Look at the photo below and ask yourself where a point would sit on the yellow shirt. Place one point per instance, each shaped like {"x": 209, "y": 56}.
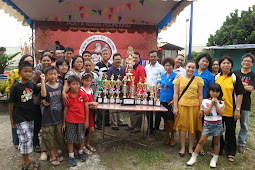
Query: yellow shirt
{"x": 12, "y": 78}
{"x": 190, "y": 97}
{"x": 227, "y": 86}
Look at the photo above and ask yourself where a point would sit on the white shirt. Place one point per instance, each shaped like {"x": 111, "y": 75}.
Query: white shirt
{"x": 152, "y": 72}
{"x": 180, "y": 71}
{"x": 213, "y": 115}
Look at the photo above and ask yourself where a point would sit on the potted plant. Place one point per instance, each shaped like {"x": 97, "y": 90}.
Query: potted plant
{"x": 5, "y": 60}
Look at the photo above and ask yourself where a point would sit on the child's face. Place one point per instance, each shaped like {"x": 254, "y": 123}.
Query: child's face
{"x": 87, "y": 66}
{"x": 52, "y": 75}
{"x": 63, "y": 68}
{"x": 26, "y": 73}
{"x": 214, "y": 94}
{"x": 74, "y": 86}
{"x": 86, "y": 82}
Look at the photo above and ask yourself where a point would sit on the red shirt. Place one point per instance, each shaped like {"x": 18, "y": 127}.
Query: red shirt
{"x": 76, "y": 107}
{"x": 138, "y": 72}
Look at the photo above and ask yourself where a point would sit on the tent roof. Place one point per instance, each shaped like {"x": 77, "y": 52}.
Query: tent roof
{"x": 237, "y": 46}
{"x": 145, "y": 12}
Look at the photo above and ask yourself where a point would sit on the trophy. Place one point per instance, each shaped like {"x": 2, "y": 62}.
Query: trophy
{"x": 151, "y": 101}
{"x": 112, "y": 92}
{"x": 125, "y": 88}
{"x": 105, "y": 86}
{"x": 118, "y": 84}
{"x": 132, "y": 87}
{"x": 145, "y": 95}
{"x": 139, "y": 89}
{"x": 99, "y": 88}
{"x": 158, "y": 90}
{"x": 128, "y": 98}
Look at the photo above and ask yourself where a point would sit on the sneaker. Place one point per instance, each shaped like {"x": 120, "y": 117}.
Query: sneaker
{"x": 81, "y": 157}
{"x": 43, "y": 156}
{"x": 214, "y": 161}
{"x": 241, "y": 149}
{"x": 192, "y": 160}
{"x": 71, "y": 161}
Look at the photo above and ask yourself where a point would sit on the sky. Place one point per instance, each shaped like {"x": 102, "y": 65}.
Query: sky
{"x": 208, "y": 17}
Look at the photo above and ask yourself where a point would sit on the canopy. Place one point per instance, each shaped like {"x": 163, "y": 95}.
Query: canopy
{"x": 142, "y": 12}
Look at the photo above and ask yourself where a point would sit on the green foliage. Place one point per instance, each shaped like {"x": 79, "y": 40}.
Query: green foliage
{"x": 236, "y": 29}
{"x": 194, "y": 55}
{"x": 3, "y": 85}
{"x": 5, "y": 59}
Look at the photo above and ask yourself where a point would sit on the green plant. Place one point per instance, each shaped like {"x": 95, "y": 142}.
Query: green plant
{"x": 5, "y": 60}
{"x": 194, "y": 55}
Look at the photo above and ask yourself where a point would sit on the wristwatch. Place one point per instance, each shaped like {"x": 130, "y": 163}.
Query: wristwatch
{"x": 238, "y": 109}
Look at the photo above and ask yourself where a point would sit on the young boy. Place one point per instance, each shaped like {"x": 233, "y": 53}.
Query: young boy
{"x": 21, "y": 109}
{"x": 52, "y": 115}
{"x": 76, "y": 118}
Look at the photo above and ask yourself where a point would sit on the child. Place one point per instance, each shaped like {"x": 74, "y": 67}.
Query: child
{"x": 52, "y": 115}
{"x": 213, "y": 108}
{"x": 76, "y": 118}
{"x": 22, "y": 109}
{"x": 86, "y": 80}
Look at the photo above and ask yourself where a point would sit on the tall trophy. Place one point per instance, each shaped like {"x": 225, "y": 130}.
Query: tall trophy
{"x": 158, "y": 90}
{"x": 139, "y": 90}
{"x": 111, "y": 90}
{"x": 118, "y": 84}
{"x": 105, "y": 87}
{"x": 100, "y": 88}
{"x": 145, "y": 94}
{"x": 151, "y": 101}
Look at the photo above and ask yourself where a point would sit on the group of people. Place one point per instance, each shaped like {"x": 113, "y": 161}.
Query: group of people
{"x": 58, "y": 99}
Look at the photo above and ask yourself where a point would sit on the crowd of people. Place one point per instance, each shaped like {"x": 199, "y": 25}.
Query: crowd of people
{"x": 57, "y": 98}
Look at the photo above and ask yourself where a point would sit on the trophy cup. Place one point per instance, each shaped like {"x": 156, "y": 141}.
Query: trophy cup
{"x": 139, "y": 89}
{"x": 158, "y": 90}
{"x": 112, "y": 92}
{"x": 151, "y": 101}
{"x": 132, "y": 88}
{"x": 99, "y": 88}
{"x": 145, "y": 95}
{"x": 118, "y": 84}
{"x": 105, "y": 86}
{"x": 127, "y": 100}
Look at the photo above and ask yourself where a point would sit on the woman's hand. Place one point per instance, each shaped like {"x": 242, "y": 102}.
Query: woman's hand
{"x": 201, "y": 114}
{"x": 171, "y": 103}
{"x": 176, "y": 111}
{"x": 65, "y": 98}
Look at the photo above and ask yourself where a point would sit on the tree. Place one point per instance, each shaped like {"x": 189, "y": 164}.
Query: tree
{"x": 5, "y": 60}
{"x": 194, "y": 55}
{"x": 236, "y": 29}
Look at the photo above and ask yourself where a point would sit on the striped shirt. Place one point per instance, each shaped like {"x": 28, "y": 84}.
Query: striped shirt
{"x": 101, "y": 67}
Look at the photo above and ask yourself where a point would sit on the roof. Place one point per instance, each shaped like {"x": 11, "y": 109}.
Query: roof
{"x": 168, "y": 46}
{"x": 230, "y": 47}
{"x": 145, "y": 12}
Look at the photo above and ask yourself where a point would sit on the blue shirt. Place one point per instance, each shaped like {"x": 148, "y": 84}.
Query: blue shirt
{"x": 208, "y": 78}
{"x": 169, "y": 92}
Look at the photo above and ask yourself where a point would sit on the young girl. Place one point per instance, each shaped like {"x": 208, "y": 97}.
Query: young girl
{"x": 62, "y": 65}
{"x": 213, "y": 108}
{"x": 86, "y": 80}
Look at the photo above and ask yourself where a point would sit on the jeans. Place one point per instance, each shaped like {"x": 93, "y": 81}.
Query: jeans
{"x": 99, "y": 118}
{"x": 244, "y": 120}
{"x": 37, "y": 125}
{"x": 15, "y": 138}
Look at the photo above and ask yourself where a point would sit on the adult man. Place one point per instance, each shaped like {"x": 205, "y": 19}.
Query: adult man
{"x": 57, "y": 55}
{"x": 153, "y": 70}
{"x": 2, "y": 50}
{"x": 248, "y": 79}
{"x": 68, "y": 54}
{"x": 102, "y": 67}
{"x": 59, "y": 46}
{"x": 116, "y": 118}
{"x": 139, "y": 74}
{"x": 86, "y": 55}
{"x": 178, "y": 65}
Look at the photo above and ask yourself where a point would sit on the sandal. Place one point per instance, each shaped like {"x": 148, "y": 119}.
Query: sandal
{"x": 87, "y": 151}
{"x": 172, "y": 142}
{"x": 31, "y": 166}
{"x": 55, "y": 162}
{"x": 16, "y": 146}
{"x": 167, "y": 140}
{"x": 60, "y": 158}
{"x": 37, "y": 149}
{"x": 91, "y": 148}
{"x": 231, "y": 158}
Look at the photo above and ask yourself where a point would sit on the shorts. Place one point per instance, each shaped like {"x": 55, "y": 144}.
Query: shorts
{"x": 25, "y": 131}
{"x": 75, "y": 132}
{"x": 169, "y": 114}
{"x": 212, "y": 129}
{"x": 52, "y": 137}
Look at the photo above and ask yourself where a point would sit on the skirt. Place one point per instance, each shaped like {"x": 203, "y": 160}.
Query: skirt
{"x": 188, "y": 119}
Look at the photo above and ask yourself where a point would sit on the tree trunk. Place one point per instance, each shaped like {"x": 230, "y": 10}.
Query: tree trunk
{"x": 2, "y": 69}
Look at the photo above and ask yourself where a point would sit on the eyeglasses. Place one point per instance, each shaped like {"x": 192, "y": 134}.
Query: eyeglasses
{"x": 247, "y": 61}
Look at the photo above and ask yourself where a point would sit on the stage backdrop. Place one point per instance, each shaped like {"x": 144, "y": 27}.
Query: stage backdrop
{"x": 95, "y": 36}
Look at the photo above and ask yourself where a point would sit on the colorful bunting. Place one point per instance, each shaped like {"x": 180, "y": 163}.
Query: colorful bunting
{"x": 75, "y": 16}
{"x": 136, "y": 3}
{"x": 73, "y": 6}
{"x": 65, "y": 18}
{"x": 120, "y": 18}
{"x": 82, "y": 15}
{"x": 59, "y": 1}
{"x": 109, "y": 16}
{"x": 117, "y": 9}
{"x": 111, "y": 9}
{"x": 67, "y": 3}
{"x": 87, "y": 14}
{"x": 105, "y": 10}
{"x": 56, "y": 19}
{"x": 123, "y": 7}
{"x": 149, "y": 1}
{"x": 141, "y": 2}
{"x": 59, "y": 19}
{"x": 81, "y": 7}
{"x": 129, "y": 6}
{"x": 115, "y": 17}
{"x": 87, "y": 9}
{"x": 99, "y": 12}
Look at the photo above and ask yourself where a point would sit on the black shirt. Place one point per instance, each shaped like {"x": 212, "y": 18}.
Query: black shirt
{"x": 248, "y": 78}
{"x": 22, "y": 97}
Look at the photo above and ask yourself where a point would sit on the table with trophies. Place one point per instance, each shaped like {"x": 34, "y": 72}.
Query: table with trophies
{"x": 141, "y": 99}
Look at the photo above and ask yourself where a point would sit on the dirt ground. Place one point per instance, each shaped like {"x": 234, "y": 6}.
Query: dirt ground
{"x": 124, "y": 155}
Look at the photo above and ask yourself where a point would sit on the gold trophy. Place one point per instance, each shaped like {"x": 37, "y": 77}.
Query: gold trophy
{"x": 139, "y": 89}
{"x": 118, "y": 84}
{"x": 151, "y": 101}
{"x": 105, "y": 86}
{"x": 124, "y": 88}
{"x": 132, "y": 87}
{"x": 145, "y": 95}
{"x": 111, "y": 90}
{"x": 158, "y": 90}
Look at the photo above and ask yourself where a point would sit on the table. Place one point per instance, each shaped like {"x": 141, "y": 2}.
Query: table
{"x": 141, "y": 108}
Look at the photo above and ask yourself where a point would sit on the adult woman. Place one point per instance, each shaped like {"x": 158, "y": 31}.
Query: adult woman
{"x": 167, "y": 92}
{"x": 13, "y": 77}
{"x": 215, "y": 66}
{"x": 186, "y": 108}
{"x": 62, "y": 65}
{"x": 45, "y": 61}
{"x": 231, "y": 85}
